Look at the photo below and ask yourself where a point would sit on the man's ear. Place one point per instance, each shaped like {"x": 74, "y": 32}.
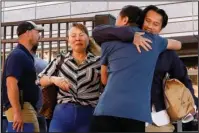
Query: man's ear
{"x": 126, "y": 19}
{"x": 27, "y": 33}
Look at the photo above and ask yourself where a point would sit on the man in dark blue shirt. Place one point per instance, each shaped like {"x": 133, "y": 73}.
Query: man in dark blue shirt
{"x": 154, "y": 20}
{"x": 20, "y": 93}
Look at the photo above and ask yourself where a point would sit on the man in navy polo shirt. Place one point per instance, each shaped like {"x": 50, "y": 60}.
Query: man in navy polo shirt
{"x": 20, "y": 93}
{"x": 125, "y": 104}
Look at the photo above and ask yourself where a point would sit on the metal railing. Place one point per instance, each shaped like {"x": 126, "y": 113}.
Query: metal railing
{"x": 54, "y": 36}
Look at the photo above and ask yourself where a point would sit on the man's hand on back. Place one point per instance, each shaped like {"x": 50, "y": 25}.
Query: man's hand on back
{"x": 141, "y": 41}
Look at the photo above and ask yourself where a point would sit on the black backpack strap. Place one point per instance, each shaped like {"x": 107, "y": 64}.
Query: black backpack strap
{"x": 59, "y": 64}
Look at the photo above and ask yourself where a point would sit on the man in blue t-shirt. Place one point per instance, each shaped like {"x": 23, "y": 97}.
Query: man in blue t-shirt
{"x": 125, "y": 103}
{"x": 40, "y": 64}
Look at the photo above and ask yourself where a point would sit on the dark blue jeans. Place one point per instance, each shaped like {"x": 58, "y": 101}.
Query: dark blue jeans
{"x": 69, "y": 117}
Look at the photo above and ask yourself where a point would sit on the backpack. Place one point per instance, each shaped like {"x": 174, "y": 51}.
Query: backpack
{"x": 178, "y": 99}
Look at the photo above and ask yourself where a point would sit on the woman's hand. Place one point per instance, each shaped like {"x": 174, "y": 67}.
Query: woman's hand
{"x": 61, "y": 82}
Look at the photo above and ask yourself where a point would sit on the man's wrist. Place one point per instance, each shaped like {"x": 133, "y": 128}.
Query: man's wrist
{"x": 17, "y": 110}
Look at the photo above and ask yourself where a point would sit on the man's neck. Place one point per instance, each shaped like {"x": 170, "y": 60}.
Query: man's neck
{"x": 26, "y": 44}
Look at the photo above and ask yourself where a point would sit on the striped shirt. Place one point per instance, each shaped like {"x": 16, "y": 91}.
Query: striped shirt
{"x": 84, "y": 79}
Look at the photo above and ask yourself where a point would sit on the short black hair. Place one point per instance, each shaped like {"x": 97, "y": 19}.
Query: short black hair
{"x": 140, "y": 22}
{"x": 132, "y": 12}
{"x": 23, "y": 27}
{"x": 27, "y": 25}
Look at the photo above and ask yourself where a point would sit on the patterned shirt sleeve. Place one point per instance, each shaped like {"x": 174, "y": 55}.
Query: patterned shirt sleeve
{"x": 51, "y": 68}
